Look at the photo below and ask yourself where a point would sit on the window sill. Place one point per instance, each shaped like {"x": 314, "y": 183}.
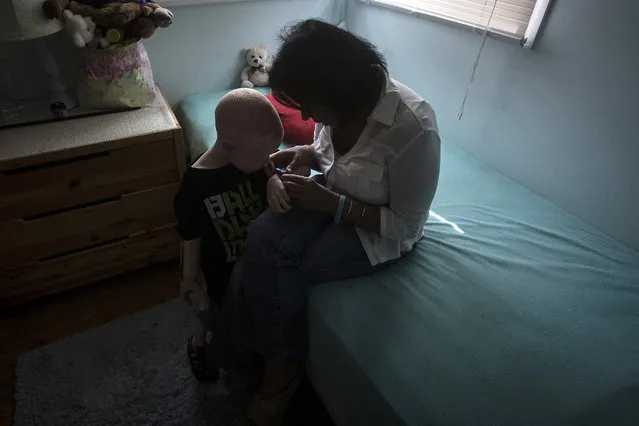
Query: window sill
{"x": 436, "y": 18}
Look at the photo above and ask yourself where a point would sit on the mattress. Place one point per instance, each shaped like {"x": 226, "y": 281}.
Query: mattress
{"x": 509, "y": 311}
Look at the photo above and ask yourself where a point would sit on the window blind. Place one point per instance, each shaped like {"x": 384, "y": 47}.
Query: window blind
{"x": 510, "y": 17}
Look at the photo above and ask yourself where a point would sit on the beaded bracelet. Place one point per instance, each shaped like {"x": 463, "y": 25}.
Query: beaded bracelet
{"x": 361, "y": 216}
{"x": 350, "y": 207}
{"x": 340, "y": 210}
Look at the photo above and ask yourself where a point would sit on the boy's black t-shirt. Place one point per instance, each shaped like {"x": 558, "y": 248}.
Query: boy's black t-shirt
{"x": 218, "y": 205}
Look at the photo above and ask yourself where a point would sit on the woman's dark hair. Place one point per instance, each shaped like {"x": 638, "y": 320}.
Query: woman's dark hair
{"x": 320, "y": 64}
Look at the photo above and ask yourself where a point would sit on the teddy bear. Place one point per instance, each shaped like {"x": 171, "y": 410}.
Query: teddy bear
{"x": 255, "y": 73}
{"x": 79, "y": 28}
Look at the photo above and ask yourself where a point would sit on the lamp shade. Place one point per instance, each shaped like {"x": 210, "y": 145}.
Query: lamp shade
{"x": 25, "y": 20}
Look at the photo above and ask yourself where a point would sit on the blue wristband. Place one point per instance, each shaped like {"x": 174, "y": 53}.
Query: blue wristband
{"x": 340, "y": 209}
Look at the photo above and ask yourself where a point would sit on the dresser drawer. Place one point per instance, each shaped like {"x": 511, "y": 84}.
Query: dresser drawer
{"x": 41, "y": 278}
{"x": 39, "y": 190}
{"x": 63, "y": 232}
{"x": 87, "y": 198}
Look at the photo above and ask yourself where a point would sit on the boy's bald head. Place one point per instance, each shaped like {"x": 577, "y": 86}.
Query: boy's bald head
{"x": 248, "y": 127}
{"x": 247, "y": 112}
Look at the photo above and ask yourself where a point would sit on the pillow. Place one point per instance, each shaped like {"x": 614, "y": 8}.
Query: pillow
{"x": 296, "y": 130}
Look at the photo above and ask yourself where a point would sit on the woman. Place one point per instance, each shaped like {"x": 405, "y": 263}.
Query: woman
{"x": 377, "y": 145}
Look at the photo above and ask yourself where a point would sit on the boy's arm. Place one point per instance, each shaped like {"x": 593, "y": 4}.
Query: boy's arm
{"x": 191, "y": 251}
{"x": 186, "y": 208}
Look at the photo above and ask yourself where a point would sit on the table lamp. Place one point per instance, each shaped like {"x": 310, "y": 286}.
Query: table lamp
{"x": 22, "y": 20}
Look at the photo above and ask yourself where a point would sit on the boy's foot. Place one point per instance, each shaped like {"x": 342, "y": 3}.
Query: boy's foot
{"x": 202, "y": 371}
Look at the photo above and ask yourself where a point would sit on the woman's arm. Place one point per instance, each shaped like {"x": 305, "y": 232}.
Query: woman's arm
{"x": 307, "y": 193}
{"x": 354, "y": 213}
{"x": 413, "y": 178}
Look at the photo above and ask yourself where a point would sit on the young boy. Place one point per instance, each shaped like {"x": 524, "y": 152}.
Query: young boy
{"x": 221, "y": 193}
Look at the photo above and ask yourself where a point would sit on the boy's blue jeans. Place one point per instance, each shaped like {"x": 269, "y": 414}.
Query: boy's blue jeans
{"x": 265, "y": 307}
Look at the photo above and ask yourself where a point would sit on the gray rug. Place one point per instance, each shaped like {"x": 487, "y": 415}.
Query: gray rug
{"x": 132, "y": 371}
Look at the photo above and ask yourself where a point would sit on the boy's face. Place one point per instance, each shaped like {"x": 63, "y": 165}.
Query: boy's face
{"x": 252, "y": 154}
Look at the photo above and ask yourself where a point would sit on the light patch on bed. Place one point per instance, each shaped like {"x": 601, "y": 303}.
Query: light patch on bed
{"x": 444, "y": 220}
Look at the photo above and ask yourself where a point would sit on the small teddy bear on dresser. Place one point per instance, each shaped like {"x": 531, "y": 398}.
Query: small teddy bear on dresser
{"x": 255, "y": 73}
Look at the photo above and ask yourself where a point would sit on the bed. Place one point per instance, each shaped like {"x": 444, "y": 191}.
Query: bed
{"x": 509, "y": 311}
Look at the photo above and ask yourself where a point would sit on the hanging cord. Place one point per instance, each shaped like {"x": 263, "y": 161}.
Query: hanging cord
{"x": 460, "y": 114}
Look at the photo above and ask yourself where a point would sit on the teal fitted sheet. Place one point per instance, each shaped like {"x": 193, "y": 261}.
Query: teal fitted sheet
{"x": 509, "y": 312}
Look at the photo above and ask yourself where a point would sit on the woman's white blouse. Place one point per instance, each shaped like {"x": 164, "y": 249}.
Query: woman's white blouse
{"x": 394, "y": 164}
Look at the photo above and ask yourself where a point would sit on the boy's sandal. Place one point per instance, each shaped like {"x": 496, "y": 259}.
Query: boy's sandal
{"x": 270, "y": 411}
{"x": 202, "y": 370}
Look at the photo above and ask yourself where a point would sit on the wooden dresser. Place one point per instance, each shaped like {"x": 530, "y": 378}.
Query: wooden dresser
{"x": 87, "y": 198}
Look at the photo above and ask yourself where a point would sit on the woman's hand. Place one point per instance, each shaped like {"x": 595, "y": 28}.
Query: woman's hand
{"x": 278, "y": 199}
{"x": 295, "y": 160}
{"x": 307, "y": 193}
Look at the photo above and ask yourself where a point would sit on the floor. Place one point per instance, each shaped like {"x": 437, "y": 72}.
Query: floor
{"x": 54, "y": 318}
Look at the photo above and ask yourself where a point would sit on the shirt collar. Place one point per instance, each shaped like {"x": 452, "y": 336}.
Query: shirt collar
{"x": 386, "y": 108}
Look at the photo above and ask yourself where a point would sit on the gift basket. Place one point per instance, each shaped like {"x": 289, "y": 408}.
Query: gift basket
{"x": 116, "y": 68}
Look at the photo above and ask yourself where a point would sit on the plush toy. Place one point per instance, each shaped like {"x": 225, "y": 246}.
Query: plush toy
{"x": 79, "y": 28}
{"x": 119, "y": 14}
{"x": 255, "y": 73}
{"x": 133, "y": 19}
{"x": 53, "y": 9}
{"x": 143, "y": 27}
